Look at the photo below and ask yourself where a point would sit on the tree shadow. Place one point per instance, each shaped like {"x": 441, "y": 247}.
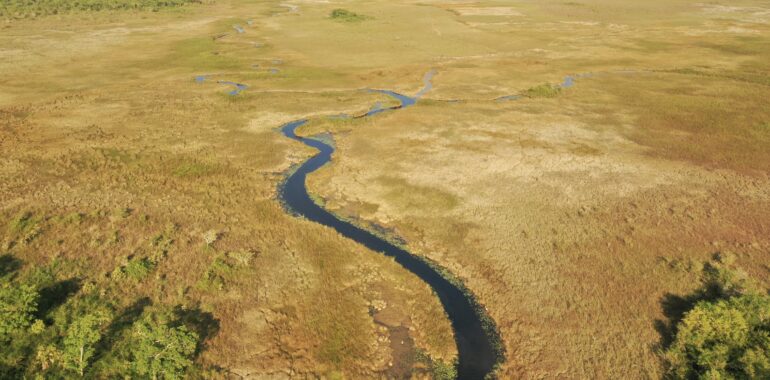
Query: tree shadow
{"x": 9, "y": 264}
{"x": 124, "y": 320}
{"x": 201, "y": 322}
{"x": 56, "y": 294}
{"x": 674, "y": 309}
{"x": 675, "y": 306}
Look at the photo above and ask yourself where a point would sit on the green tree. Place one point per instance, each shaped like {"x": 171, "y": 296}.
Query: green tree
{"x": 80, "y": 340}
{"x": 162, "y": 349}
{"x": 723, "y": 339}
{"x": 18, "y": 305}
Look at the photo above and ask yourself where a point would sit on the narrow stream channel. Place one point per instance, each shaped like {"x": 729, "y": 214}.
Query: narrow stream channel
{"x": 476, "y": 345}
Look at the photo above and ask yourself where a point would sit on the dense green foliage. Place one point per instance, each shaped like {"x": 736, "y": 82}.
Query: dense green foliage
{"x": 18, "y": 305}
{"x": 64, "y": 329}
{"x": 81, "y": 339}
{"x": 726, "y": 335}
{"x": 724, "y": 340}
{"x": 33, "y": 8}
{"x": 340, "y": 14}
{"x": 161, "y": 350}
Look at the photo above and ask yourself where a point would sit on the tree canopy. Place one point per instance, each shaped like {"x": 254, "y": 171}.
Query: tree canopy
{"x": 726, "y": 335}
{"x": 161, "y": 349}
{"x": 18, "y": 305}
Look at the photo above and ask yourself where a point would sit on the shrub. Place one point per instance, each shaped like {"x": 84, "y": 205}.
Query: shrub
{"x": 243, "y": 258}
{"x": 210, "y": 237}
{"x": 215, "y": 275}
{"x": 138, "y": 269}
{"x": 443, "y": 371}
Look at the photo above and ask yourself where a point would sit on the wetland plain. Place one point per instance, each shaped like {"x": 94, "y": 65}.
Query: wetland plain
{"x": 577, "y": 174}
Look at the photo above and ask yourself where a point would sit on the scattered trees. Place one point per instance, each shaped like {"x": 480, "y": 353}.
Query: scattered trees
{"x": 82, "y": 336}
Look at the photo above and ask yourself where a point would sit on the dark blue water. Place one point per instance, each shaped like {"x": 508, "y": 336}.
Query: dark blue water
{"x": 477, "y": 349}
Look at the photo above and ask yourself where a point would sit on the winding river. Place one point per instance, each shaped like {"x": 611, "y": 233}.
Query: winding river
{"x": 475, "y": 334}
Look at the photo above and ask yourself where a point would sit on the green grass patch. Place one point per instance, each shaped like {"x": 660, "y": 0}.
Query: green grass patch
{"x": 345, "y": 15}
{"x": 26, "y": 226}
{"x": 138, "y": 269}
{"x": 202, "y": 54}
{"x": 543, "y": 91}
{"x": 24, "y": 222}
{"x": 216, "y": 275}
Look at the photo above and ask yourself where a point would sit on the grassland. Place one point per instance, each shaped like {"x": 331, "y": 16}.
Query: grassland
{"x": 571, "y": 214}
{"x": 200, "y": 168}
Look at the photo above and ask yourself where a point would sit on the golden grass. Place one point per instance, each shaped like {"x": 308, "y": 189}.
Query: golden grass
{"x": 569, "y": 216}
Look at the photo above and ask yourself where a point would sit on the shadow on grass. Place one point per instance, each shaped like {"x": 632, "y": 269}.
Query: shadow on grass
{"x": 56, "y": 294}
{"x": 124, "y": 320}
{"x": 674, "y": 308}
{"x": 9, "y": 265}
{"x": 201, "y": 322}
